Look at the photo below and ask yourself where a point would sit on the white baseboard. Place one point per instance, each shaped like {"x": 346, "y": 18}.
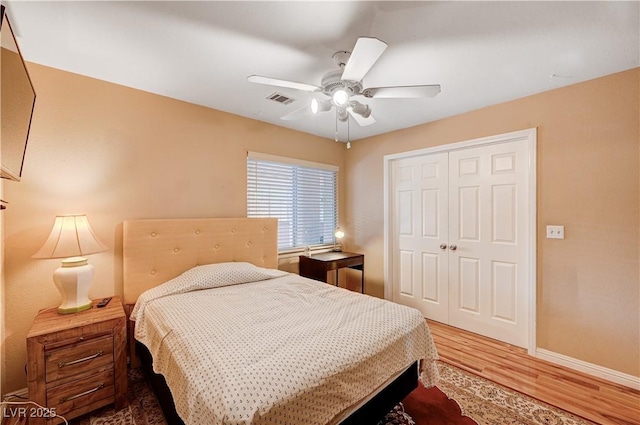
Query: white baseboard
{"x": 627, "y": 380}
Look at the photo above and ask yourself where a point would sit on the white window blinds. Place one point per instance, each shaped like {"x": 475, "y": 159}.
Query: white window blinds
{"x": 301, "y": 194}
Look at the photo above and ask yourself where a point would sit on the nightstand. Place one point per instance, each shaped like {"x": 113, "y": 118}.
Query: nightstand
{"x": 77, "y": 362}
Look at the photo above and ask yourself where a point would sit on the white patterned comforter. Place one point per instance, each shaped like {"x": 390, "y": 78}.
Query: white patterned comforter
{"x": 242, "y": 345}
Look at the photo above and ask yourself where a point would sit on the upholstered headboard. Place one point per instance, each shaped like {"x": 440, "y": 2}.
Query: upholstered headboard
{"x": 155, "y": 251}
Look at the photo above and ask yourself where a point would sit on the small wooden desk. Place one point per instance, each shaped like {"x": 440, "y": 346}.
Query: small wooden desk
{"x": 317, "y": 266}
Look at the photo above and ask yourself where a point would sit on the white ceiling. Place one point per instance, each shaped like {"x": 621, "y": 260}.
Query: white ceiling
{"x": 481, "y": 53}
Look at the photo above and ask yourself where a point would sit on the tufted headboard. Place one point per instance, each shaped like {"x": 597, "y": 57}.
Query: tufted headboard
{"x": 155, "y": 251}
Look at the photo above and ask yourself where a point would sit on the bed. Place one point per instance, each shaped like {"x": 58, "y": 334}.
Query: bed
{"x": 235, "y": 341}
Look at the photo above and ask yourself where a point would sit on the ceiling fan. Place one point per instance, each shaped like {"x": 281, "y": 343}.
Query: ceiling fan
{"x": 340, "y": 86}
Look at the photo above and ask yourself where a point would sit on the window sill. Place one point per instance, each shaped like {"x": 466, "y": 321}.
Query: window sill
{"x": 296, "y": 253}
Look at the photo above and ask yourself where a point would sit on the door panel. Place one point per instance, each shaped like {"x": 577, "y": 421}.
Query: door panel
{"x": 489, "y": 226}
{"x": 430, "y": 203}
{"x": 406, "y": 274}
{"x": 405, "y": 212}
{"x": 504, "y": 291}
{"x": 468, "y": 285}
{"x": 469, "y": 213}
{"x": 430, "y": 277}
{"x": 504, "y": 213}
{"x": 419, "y": 196}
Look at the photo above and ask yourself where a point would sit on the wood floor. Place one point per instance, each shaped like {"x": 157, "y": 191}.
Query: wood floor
{"x": 592, "y": 398}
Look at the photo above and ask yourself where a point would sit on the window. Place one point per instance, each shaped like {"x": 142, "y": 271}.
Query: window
{"x": 300, "y": 194}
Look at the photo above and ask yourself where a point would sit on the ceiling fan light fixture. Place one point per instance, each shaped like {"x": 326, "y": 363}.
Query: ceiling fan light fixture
{"x": 320, "y": 105}
{"x": 340, "y": 97}
{"x": 360, "y": 108}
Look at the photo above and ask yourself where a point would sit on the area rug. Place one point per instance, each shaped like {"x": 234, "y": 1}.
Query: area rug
{"x": 487, "y": 402}
{"x": 459, "y": 397}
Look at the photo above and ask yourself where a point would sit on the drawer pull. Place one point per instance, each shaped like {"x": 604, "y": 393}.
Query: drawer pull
{"x": 84, "y": 359}
{"x": 73, "y": 397}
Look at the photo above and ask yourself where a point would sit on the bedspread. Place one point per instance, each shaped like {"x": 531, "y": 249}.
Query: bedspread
{"x": 279, "y": 351}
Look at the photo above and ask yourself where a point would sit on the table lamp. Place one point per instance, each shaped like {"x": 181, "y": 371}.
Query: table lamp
{"x": 339, "y": 234}
{"x": 71, "y": 238}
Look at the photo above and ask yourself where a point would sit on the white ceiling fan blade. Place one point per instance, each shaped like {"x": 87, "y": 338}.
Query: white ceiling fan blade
{"x": 297, "y": 113}
{"x": 365, "y": 53}
{"x": 282, "y": 83}
{"x": 402, "y": 91}
{"x": 363, "y": 122}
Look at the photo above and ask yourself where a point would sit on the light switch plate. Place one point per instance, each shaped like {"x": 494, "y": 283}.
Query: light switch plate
{"x": 555, "y": 232}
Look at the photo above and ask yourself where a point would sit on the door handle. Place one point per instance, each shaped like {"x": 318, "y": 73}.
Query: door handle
{"x": 453, "y": 247}
{"x": 443, "y": 246}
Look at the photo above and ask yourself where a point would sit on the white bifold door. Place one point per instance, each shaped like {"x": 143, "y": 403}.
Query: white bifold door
{"x": 460, "y": 238}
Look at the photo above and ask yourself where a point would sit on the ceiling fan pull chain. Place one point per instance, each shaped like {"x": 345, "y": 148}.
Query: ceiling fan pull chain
{"x": 336, "y": 135}
{"x": 348, "y": 132}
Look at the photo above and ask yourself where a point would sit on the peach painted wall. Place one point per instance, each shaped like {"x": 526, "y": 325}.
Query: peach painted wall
{"x": 116, "y": 153}
{"x": 588, "y": 285}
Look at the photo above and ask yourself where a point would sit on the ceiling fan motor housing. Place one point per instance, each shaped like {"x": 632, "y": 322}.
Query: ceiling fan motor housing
{"x": 332, "y": 81}
{"x": 341, "y": 58}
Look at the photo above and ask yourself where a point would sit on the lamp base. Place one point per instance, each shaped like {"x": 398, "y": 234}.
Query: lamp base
{"x": 77, "y": 309}
{"x": 73, "y": 280}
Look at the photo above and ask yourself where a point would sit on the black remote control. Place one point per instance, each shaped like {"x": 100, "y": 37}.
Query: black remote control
{"x": 103, "y": 302}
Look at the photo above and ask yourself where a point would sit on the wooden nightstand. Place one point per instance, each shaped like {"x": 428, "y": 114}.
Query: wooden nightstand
{"x": 77, "y": 362}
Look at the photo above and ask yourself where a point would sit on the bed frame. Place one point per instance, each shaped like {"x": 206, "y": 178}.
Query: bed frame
{"x": 155, "y": 251}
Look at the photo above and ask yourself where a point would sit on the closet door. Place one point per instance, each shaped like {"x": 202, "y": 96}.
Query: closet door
{"x": 460, "y": 244}
{"x": 488, "y": 241}
{"x": 419, "y": 196}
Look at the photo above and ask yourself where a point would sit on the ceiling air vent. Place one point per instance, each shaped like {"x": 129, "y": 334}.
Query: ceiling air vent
{"x": 280, "y": 98}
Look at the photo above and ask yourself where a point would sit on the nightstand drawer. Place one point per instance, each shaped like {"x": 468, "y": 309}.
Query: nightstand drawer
{"x": 78, "y": 358}
{"x": 73, "y": 395}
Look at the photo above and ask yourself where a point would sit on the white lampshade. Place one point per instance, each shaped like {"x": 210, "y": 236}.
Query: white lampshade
{"x": 71, "y": 238}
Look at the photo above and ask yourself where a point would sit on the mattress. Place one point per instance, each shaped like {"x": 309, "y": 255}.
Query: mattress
{"x": 238, "y": 344}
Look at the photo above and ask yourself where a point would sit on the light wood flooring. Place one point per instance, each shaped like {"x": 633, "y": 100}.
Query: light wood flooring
{"x": 592, "y": 398}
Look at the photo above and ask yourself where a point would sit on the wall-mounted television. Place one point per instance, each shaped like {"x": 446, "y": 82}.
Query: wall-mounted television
{"x": 18, "y": 99}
